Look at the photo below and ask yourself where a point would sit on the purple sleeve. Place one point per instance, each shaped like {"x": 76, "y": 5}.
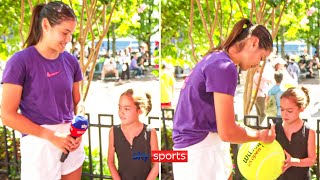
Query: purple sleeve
{"x": 221, "y": 77}
{"x": 77, "y": 71}
{"x": 15, "y": 71}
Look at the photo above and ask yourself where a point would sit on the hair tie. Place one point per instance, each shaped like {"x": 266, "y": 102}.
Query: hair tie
{"x": 253, "y": 27}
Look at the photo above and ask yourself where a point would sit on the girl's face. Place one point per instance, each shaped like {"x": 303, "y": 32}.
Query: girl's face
{"x": 59, "y": 35}
{"x": 289, "y": 110}
{"x": 251, "y": 54}
{"x": 128, "y": 111}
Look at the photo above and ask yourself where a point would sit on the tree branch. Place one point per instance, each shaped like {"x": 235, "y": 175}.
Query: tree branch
{"x": 21, "y": 22}
{"x": 204, "y": 23}
{"x": 240, "y": 7}
{"x": 190, "y": 31}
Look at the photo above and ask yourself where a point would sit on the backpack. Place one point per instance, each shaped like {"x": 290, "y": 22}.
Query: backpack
{"x": 271, "y": 107}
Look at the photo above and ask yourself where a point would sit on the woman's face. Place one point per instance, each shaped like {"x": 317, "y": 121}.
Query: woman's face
{"x": 251, "y": 54}
{"x": 59, "y": 35}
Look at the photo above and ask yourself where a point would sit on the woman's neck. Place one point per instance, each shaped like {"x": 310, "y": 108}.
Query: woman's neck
{"x": 233, "y": 54}
{"x": 46, "y": 52}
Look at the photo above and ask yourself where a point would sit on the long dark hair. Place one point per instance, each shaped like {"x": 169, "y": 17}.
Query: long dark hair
{"x": 241, "y": 31}
{"x": 55, "y": 12}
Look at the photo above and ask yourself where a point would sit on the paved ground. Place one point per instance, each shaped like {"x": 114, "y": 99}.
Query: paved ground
{"x": 103, "y": 97}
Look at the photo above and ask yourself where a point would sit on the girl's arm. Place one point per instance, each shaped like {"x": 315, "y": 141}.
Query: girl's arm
{"x": 11, "y": 96}
{"x": 111, "y": 151}
{"x": 154, "y": 147}
{"x": 305, "y": 162}
{"x": 228, "y": 130}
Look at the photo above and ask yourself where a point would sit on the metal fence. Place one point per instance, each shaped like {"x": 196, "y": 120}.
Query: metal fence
{"x": 250, "y": 121}
{"x": 9, "y": 154}
{"x": 95, "y": 164}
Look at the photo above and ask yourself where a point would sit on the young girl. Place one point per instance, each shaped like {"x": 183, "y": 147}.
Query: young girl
{"x": 295, "y": 135}
{"x": 132, "y": 140}
{"x": 43, "y": 81}
{"x": 204, "y": 122}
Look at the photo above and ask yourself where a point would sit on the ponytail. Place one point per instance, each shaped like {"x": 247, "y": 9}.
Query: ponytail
{"x": 306, "y": 92}
{"x": 35, "y": 31}
{"x": 55, "y": 12}
{"x": 241, "y": 31}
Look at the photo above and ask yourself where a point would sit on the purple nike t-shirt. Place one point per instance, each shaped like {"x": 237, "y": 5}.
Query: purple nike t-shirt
{"x": 47, "y": 85}
{"x": 195, "y": 115}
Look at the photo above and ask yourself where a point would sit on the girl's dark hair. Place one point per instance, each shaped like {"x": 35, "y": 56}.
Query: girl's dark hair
{"x": 55, "y": 12}
{"x": 278, "y": 76}
{"x": 299, "y": 95}
{"x": 141, "y": 99}
{"x": 241, "y": 31}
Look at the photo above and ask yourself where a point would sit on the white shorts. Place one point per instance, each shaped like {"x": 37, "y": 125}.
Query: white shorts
{"x": 207, "y": 160}
{"x": 40, "y": 159}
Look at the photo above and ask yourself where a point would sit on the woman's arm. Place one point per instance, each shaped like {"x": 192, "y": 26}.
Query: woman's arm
{"x": 77, "y": 101}
{"x": 154, "y": 147}
{"x": 228, "y": 130}
{"x": 111, "y": 151}
{"x": 11, "y": 96}
{"x": 78, "y": 107}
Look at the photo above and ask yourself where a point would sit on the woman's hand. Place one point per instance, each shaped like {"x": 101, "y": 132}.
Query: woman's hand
{"x": 267, "y": 135}
{"x": 65, "y": 142}
{"x": 77, "y": 144}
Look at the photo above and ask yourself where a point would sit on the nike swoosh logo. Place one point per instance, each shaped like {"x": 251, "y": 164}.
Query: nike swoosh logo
{"x": 52, "y": 74}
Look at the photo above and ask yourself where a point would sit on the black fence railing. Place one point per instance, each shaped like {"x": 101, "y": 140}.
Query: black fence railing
{"x": 166, "y": 141}
{"x": 250, "y": 121}
{"x": 9, "y": 154}
{"x": 95, "y": 164}
{"x": 107, "y": 123}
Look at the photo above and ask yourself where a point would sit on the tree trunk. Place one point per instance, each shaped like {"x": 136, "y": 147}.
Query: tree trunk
{"x": 282, "y": 41}
{"x": 114, "y": 50}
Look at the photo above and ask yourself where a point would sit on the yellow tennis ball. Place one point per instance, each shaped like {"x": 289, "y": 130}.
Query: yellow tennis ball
{"x": 260, "y": 161}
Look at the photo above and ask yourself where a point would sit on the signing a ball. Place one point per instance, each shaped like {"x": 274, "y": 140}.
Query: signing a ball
{"x": 261, "y": 161}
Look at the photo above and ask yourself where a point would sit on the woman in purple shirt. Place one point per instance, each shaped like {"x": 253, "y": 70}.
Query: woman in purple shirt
{"x": 43, "y": 82}
{"x": 204, "y": 122}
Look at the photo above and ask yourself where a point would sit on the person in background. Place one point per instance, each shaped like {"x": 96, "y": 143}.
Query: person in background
{"x": 287, "y": 80}
{"x": 110, "y": 68}
{"x": 276, "y": 91}
{"x": 293, "y": 69}
{"x": 134, "y": 65}
{"x": 125, "y": 59}
{"x": 204, "y": 120}
{"x": 132, "y": 140}
{"x": 43, "y": 81}
{"x": 295, "y": 135}
{"x": 262, "y": 89}
{"x": 167, "y": 82}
